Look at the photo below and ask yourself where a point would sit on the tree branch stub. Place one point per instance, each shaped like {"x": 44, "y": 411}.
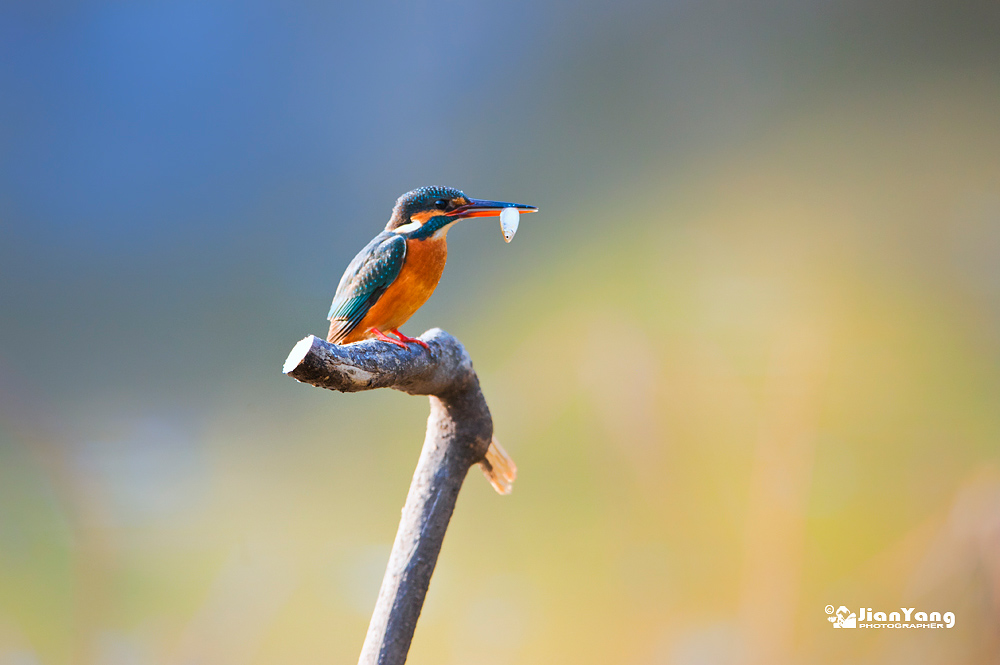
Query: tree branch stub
{"x": 459, "y": 431}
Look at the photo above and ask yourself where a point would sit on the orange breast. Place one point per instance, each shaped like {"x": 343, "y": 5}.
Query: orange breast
{"x": 417, "y": 280}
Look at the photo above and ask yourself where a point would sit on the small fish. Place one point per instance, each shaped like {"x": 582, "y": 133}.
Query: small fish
{"x": 509, "y": 219}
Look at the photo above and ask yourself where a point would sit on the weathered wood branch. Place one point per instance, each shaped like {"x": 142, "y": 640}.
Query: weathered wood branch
{"x": 459, "y": 430}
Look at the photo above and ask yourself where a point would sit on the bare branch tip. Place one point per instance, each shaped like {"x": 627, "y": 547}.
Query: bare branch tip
{"x": 298, "y": 353}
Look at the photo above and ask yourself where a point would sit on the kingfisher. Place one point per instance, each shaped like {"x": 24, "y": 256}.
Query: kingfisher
{"x": 395, "y": 274}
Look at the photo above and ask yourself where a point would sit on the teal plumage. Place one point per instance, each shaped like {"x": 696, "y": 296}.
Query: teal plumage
{"x": 367, "y": 277}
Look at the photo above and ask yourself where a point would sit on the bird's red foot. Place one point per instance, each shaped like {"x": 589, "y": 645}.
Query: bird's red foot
{"x": 381, "y": 336}
{"x": 409, "y": 340}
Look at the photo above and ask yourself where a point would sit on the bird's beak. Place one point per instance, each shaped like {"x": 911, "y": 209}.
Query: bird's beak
{"x": 481, "y": 208}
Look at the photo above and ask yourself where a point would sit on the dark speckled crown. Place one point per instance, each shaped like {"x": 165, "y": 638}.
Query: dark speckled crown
{"x": 418, "y": 200}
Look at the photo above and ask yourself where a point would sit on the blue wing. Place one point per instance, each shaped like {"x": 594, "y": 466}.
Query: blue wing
{"x": 367, "y": 277}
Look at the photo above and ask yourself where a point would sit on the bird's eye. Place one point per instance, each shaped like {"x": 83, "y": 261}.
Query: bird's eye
{"x": 441, "y": 204}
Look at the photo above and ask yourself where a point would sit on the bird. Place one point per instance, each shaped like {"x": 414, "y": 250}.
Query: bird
{"x": 395, "y": 274}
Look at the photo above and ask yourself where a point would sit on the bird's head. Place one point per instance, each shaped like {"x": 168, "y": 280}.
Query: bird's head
{"x": 427, "y": 211}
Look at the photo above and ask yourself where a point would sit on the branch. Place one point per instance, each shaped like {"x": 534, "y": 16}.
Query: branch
{"x": 459, "y": 430}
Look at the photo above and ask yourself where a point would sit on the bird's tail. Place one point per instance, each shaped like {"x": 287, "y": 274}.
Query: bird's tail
{"x": 499, "y": 468}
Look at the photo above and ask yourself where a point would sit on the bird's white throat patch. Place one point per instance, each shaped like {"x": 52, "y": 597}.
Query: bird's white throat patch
{"x": 409, "y": 227}
{"x": 406, "y": 228}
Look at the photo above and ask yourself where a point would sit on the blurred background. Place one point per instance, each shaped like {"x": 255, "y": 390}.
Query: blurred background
{"x": 746, "y": 357}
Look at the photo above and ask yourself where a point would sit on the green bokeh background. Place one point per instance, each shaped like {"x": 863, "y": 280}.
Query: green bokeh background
{"x": 746, "y": 356}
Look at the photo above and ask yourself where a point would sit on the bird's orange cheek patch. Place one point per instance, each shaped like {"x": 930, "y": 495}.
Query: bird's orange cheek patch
{"x": 423, "y": 216}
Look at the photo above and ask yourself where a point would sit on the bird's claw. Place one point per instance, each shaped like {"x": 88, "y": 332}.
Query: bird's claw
{"x": 381, "y": 336}
{"x": 403, "y": 341}
{"x": 409, "y": 340}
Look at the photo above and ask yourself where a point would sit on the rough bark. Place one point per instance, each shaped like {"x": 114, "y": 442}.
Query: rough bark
{"x": 459, "y": 430}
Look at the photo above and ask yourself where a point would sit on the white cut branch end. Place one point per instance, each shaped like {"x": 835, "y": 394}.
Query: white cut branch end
{"x": 298, "y": 353}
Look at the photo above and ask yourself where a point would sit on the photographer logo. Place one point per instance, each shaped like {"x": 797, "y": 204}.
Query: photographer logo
{"x": 905, "y": 618}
